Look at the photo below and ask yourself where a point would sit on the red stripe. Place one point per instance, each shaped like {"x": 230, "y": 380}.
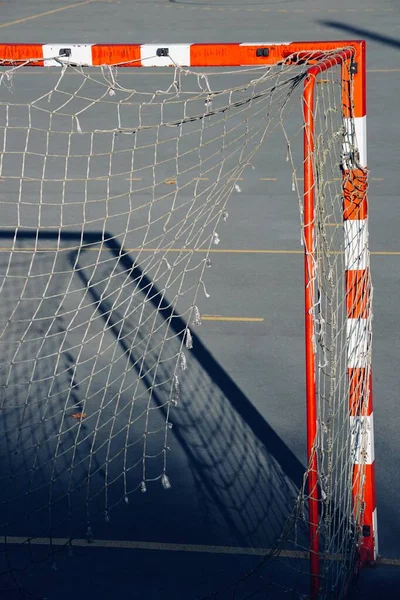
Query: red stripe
{"x": 12, "y": 53}
{"x": 222, "y": 55}
{"x": 360, "y": 397}
{"x": 355, "y": 185}
{"x": 112, "y": 54}
{"x": 365, "y": 500}
{"x": 358, "y": 293}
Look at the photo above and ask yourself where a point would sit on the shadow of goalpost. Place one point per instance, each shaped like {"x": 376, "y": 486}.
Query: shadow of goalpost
{"x": 246, "y": 476}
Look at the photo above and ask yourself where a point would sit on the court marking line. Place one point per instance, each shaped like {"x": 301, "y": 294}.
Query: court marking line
{"x": 95, "y": 248}
{"x": 207, "y": 179}
{"x": 160, "y": 546}
{"x": 126, "y": 72}
{"x": 48, "y": 12}
{"x": 170, "y": 547}
{"x": 232, "y": 319}
{"x": 394, "y": 70}
{"x": 168, "y": 181}
{"x": 138, "y": 545}
{"x": 274, "y": 11}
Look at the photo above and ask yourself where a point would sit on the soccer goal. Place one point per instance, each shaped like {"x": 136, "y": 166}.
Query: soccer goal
{"x": 115, "y": 187}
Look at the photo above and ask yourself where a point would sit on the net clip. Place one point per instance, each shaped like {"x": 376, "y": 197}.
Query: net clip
{"x": 162, "y": 52}
{"x": 353, "y": 68}
{"x": 262, "y": 52}
{"x": 366, "y": 531}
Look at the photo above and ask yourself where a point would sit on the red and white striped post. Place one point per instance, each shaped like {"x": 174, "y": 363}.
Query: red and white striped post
{"x": 358, "y": 303}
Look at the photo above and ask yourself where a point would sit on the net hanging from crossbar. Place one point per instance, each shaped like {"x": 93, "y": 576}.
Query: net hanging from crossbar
{"x": 114, "y": 195}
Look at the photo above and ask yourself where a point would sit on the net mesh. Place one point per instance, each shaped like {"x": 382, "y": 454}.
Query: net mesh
{"x": 112, "y": 201}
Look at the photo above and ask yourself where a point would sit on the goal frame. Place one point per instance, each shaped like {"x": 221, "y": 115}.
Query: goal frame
{"x": 351, "y": 56}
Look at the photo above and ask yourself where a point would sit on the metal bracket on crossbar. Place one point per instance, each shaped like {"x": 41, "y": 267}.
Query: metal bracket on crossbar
{"x": 354, "y": 68}
{"x": 162, "y": 52}
{"x": 262, "y": 52}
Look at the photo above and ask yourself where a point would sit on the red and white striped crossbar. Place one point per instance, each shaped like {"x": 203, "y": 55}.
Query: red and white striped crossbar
{"x": 186, "y": 55}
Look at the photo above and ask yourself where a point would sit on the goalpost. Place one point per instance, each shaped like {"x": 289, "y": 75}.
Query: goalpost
{"x": 112, "y": 199}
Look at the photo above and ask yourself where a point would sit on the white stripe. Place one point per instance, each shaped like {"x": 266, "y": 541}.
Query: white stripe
{"x": 375, "y": 532}
{"x": 265, "y": 44}
{"x": 81, "y": 54}
{"x": 178, "y": 54}
{"x": 356, "y": 254}
{"x": 356, "y": 137}
{"x": 358, "y": 343}
{"x": 362, "y": 440}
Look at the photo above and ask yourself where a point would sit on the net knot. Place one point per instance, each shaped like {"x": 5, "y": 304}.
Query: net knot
{"x": 196, "y": 320}
{"x": 188, "y": 339}
{"x": 175, "y": 391}
{"x": 165, "y": 481}
{"x": 182, "y": 361}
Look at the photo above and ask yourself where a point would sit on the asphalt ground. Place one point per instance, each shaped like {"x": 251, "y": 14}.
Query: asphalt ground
{"x": 246, "y": 364}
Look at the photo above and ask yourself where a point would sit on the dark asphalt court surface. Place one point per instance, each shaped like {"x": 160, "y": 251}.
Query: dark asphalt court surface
{"x": 237, "y": 453}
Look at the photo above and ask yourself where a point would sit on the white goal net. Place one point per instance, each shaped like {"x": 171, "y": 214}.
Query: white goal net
{"x": 114, "y": 190}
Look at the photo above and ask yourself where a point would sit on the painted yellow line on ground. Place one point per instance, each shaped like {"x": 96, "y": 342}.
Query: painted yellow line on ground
{"x": 232, "y": 319}
{"x": 126, "y": 72}
{"x": 164, "y": 546}
{"x": 242, "y": 251}
{"x": 45, "y": 14}
{"x": 395, "y": 70}
{"x": 395, "y": 562}
{"x": 97, "y": 246}
{"x": 168, "y": 181}
{"x": 160, "y": 546}
{"x": 339, "y": 179}
{"x": 275, "y": 10}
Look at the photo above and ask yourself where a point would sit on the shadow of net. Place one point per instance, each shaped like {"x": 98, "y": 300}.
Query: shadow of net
{"x": 92, "y": 413}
